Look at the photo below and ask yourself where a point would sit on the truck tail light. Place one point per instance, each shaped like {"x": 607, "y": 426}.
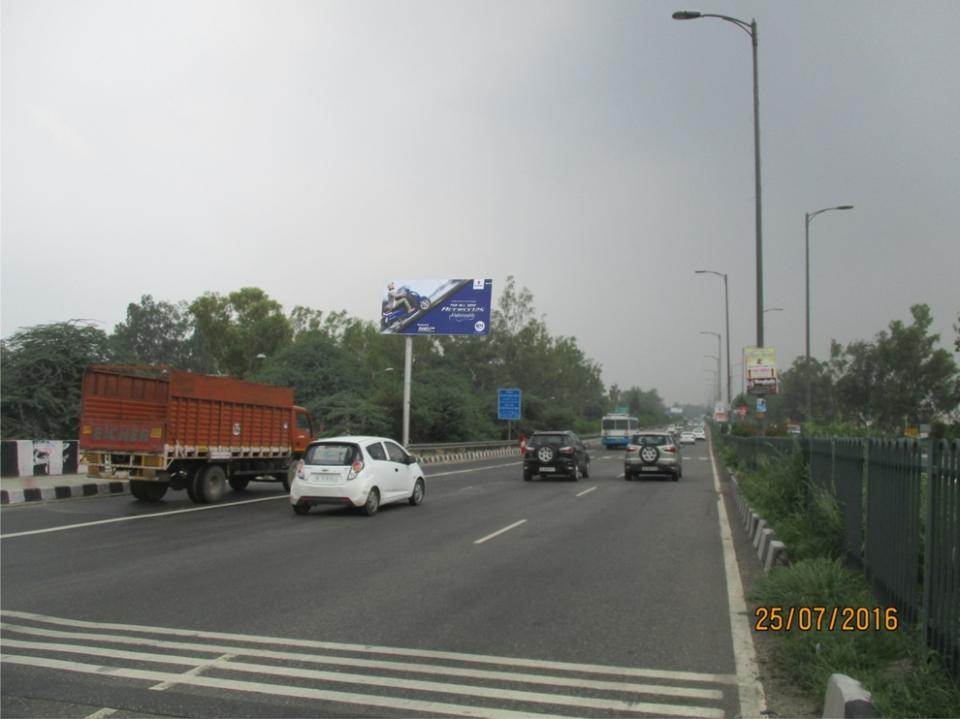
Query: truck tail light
{"x": 300, "y": 469}
{"x": 355, "y": 469}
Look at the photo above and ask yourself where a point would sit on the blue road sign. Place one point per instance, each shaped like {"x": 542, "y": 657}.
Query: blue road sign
{"x": 508, "y": 404}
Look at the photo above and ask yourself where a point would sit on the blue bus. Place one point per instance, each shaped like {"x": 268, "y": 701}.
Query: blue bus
{"x": 616, "y": 429}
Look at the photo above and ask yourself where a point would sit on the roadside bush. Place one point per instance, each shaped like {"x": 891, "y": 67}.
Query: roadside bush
{"x": 904, "y": 679}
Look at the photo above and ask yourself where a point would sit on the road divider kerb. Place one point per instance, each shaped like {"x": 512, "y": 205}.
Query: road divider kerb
{"x": 771, "y": 552}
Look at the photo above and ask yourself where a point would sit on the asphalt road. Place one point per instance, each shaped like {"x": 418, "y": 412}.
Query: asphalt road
{"x": 602, "y": 598}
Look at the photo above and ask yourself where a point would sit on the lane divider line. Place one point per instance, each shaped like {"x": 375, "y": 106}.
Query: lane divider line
{"x": 65, "y": 527}
{"x": 192, "y": 672}
{"x": 101, "y": 713}
{"x": 586, "y": 491}
{"x": 500, "y": 531}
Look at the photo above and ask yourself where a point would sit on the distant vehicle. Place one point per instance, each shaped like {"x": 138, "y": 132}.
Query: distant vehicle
{"x": 166, "y": 429}
{"x": 555, "y": 453}
{"x": 366, "y": 472}
{"x": 653, "y": 453}
{"x": 615, "y": 429}
{"x": 698, "y": 433}
{"x": 687, "y": 438}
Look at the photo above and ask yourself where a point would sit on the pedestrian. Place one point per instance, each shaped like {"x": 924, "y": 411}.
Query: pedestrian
{"x": 523, "y": 443}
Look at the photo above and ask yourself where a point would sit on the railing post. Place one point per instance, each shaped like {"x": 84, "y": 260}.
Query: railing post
{"x": 927, "y": 544}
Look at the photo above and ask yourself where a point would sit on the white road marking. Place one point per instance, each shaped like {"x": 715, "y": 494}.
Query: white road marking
{"x": 473, "y": 469}
{"x": 101, "y": 713}
{"x": 365, "y": 680}
{"x": 193, "y": 672}
{"x": 374, "y": 649}
{"x": 392, "y": 703}
{"x": 65, "y": 527}
{"x": 586, "y": 491}
{"x": 753, "y": 702}
{"x": 393, "y": 666}
{"x": 620, "y": 476}
{"x": 499, "y": 532}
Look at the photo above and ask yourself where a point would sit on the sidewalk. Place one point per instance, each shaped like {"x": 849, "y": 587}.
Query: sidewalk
{"x": 16, "y": 490}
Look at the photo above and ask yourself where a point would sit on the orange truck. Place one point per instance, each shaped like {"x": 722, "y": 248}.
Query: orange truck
{"x": 166, "y": 429}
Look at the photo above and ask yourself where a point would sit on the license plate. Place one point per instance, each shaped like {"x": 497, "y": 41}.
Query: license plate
{"x": 649, "y": 469}
{"x": 548, "y": 469}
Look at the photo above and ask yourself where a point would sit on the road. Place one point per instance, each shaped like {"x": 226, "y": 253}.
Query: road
{"x": 495, "y": 597}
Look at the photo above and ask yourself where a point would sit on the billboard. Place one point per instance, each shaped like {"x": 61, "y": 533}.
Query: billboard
{"x": 436, "y": 307}
{"x": 721, "y": 413}
{"x": 760, "y": 365}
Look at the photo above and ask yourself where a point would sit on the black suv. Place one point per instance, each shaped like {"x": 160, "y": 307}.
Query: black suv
{"x": 552, "y": 453}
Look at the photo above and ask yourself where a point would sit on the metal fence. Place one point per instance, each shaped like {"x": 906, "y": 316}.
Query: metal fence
{"x": 900, "y": 503}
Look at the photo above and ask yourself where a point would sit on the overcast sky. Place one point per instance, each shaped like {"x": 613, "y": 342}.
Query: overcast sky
{"x": 598, "y": 151}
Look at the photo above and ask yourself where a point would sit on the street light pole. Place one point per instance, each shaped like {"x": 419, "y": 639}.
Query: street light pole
{"x": 751, "y": 30}
{"x": 806, "y": 255}
{"x": 726, "y": 312}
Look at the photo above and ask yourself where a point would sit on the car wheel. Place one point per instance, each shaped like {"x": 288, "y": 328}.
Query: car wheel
{"x": 676, "y": 476}
{"x": 527, "y": 475}
{"x": 373, "y": 502}
{"x": 418, "y": 491}
{"x": 626, "y": 476}
{"x": 576, "y": 472}
{"x": 238, "y": 484}
{"x": 301, "y": 509}
{"x": 212, "y": 484}
{"x": 586, "y": 470}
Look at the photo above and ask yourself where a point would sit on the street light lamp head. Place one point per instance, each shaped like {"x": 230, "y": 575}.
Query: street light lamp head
{"x": 844, "y": 207}
{"x": 686, "y": 15}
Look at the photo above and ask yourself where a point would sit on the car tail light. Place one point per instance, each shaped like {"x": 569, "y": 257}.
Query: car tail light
{"x": 670, "y": 448}
{"x": 631, "y": 448}
{"x": 355, "y": 469}
{"x": 300, "y": 469}
{"x": 566, "y": 450}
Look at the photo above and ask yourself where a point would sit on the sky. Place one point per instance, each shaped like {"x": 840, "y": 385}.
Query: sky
{"x": 598, "y": 151}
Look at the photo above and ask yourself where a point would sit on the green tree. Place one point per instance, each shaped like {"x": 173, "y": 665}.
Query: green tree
{"x": 42, "y": 373}
{"x": 156, "y": 333}
{"x": 235, "y": 330}
{"x": 900, "y": 376}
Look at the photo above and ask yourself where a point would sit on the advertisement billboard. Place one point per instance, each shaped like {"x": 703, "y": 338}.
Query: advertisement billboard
{"x": 436, "y": 307}
{"x": 721, "y": 413}
{"x": 760, "y": 365}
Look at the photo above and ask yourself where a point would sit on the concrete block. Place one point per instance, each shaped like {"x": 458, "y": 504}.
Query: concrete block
{"x": 766, "y": 535}
{"x": 776, "y": 555}
{"x": 847, "y": 699}
{"x": 757, "y": 530}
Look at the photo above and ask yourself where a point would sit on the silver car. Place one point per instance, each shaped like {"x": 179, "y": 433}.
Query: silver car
{"x": 653, "y": 453}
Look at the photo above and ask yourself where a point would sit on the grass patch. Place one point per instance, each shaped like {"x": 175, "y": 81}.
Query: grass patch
{"x": 903, "y": 677}
{"x": 806, "y": 516}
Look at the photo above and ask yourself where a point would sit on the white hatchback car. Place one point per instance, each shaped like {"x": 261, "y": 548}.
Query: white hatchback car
{"x": 687, "y": 438}
{"x": 356, "y": 472}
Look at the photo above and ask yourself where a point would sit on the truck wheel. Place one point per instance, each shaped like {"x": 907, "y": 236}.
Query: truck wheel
{"x": 238, "y": 484}
{"x": 212, "y": 484}
{"x": 148, "y": 491}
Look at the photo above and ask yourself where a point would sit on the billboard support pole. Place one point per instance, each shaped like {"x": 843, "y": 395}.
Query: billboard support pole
{"x": 407, "y": 369}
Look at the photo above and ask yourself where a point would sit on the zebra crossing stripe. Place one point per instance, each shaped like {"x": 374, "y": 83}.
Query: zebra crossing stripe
{"x": 541, "y": 664}
{"x": 434, "y": 669}
{"x": 369, "y": 680}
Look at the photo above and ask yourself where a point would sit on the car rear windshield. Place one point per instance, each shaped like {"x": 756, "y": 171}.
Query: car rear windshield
{"x": 331, "y": 454}
{"x": 656, "y": 440}
{"x": 543, "y": 440}
{"x": 614, "y": 424}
